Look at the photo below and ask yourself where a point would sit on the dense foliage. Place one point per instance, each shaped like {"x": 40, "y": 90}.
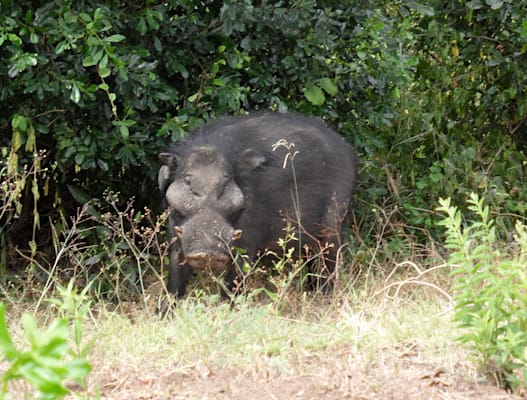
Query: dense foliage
{"x": 432, "y": 94}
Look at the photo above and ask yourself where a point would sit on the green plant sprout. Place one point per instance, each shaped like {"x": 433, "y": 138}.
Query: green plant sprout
{"x": 48, "y": 361}
{"x": 489, "y": 289}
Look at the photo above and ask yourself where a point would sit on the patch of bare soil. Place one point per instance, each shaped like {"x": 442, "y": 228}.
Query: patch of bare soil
{"x": 336, "y": 376}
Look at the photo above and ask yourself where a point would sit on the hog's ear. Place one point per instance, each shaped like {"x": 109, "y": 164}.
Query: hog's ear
{"x": 163, "y": 178}
{"x": 249, "y": 161}
{"x": 169, "y": 159}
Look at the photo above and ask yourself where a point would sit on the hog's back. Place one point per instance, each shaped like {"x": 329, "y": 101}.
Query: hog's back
{"x": 308, "y": 176}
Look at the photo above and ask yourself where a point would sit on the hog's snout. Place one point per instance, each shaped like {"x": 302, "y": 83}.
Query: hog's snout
{"x": 236, "y": 234}
{"x": 207, "y": 261}
{"x": 205, "y": 247}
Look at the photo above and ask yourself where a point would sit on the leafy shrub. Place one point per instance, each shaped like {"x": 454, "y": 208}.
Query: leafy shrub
{"x": 490, "y": 294}
{"x": 127, "y": 253}
{"x": 429, "y": 92}
{"x": 50, "y": 360}
{"x": 115, "y": 252}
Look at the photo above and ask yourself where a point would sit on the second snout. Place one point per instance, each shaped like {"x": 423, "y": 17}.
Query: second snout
{"x": 206, "y": 242}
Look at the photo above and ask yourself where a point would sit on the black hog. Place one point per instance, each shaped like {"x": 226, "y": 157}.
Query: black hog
{"x": 244, "y": 179}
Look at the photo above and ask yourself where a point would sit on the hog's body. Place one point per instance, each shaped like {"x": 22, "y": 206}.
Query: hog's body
{"x": 226, "y": 181}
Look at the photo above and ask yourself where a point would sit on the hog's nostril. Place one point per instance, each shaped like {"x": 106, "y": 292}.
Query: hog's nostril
{"x": 207, "y": 261}
{"x": 237, "y": 234}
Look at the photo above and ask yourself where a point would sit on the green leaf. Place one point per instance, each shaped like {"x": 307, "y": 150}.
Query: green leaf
{"x": 523, "y": 33}
{"x": 82, "y": 161}
{"x": 92, "y": 59}
{"x": 33, "y": 38}
{"x": 31, "y": 59}
{"x": 103, "y": 165}
{"x": 194, "y": 97}
{"x": 79, "y": 194}
{"x": 75, "y": 95}
{"x": 218, "y": 82}
{"x": 12, "y": 163}
{"x": 423, "y": 9}
{"x": 21, "y": 123}
{"x": 30, "y": 326}
{"x": 104, "y": 61}
{"x": 98, "y": 56}
{"x": 88, "y": 61}
{"x": 97, "y": 14}
{"x": 78, "y": 369}
{"x": 328, "y": 86}
{"x": 47, "y": 381}
{"x": 141, "y": 26}
{"x": 114, "y": 38}
{"x": 85, "y": 17}
{"x": 13, "y": 71}
{"x": 7, "y": 348}
{"x": 150, "y": 18}
{"x": 104, "y": 72}
{"x": 18, "y": 139}
{"x": 125, "y": 133}
{"x": 495, "y": 4}
{"x": 31, "y": 139}
{"x": 314, "y": 94}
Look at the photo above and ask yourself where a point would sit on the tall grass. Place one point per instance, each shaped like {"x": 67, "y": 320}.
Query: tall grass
{"x": 393, "y": 307}
{"x": 257, "y": 337}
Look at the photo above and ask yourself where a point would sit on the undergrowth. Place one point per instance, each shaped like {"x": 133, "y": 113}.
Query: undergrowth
{"x": 378, "y": 294}
{"x": 489, "y": 288}
{"x": 51, "y": 357}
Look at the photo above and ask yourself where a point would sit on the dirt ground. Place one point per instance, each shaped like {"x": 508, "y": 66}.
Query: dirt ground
{"x": 342, "y": 376}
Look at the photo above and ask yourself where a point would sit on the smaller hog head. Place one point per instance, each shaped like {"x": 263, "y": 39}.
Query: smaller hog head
{"x": 204, "y": 202}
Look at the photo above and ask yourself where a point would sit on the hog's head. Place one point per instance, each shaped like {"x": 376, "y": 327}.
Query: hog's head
{"x": 205, "y": 201}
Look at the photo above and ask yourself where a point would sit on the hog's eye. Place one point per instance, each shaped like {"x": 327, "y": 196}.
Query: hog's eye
{"x": 187, "y": 180}
{"x": 176, "y": 215}
{"x": 223, "y": 187}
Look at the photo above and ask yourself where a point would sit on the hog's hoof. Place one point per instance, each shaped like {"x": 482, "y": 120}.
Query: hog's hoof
{"x": 166, "y": 306}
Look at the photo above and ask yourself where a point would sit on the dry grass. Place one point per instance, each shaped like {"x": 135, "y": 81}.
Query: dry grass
{"x": 386, "y": 334}
{"x": 393, "y": 348}
{"x": 387, "y": 338}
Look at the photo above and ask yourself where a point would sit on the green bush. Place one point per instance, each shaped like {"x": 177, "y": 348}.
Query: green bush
{"x": 430, "y": 93}
{"x": 489, "y": 288}
{"x": 54, "y": 355}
